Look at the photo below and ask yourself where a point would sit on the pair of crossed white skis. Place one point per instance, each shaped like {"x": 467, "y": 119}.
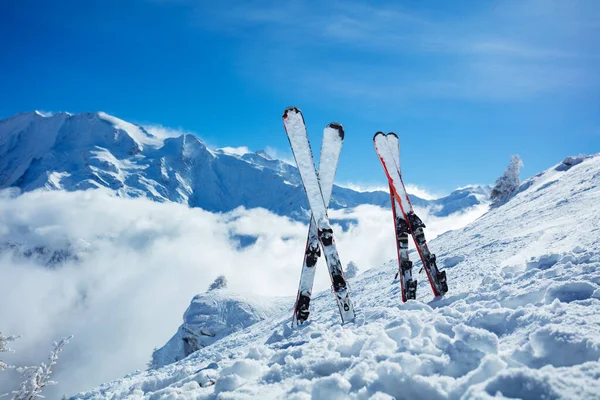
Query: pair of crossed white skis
{"x": 318, "y": 188}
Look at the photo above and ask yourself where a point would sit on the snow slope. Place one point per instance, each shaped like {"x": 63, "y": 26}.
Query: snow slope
{"x": 91, "y": 150}
{"x": 521, "y": 319}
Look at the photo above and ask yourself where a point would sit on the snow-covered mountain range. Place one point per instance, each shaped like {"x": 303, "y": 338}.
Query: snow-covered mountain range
{"x": 89, "y": 150}
{"x": 521, "y": 319}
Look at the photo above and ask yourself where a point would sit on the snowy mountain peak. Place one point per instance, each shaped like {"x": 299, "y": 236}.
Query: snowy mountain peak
{"x": 90, "y": 150}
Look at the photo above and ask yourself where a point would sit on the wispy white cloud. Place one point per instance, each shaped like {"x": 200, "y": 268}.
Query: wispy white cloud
{"x": 363, "y": 187}
{"x": 236, "y": 151}
{"x": 516, "y": 50}
{"x": 45, "y": 113}
{"x": 411, "y": 189}
{"x": 164, "y": 132}
{"x": 422, "y": 192}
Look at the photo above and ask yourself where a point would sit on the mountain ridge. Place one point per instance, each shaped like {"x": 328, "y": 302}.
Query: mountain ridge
{"x": 89, "y": 150}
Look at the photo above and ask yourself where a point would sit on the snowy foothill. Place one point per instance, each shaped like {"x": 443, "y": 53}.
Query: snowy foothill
{"x": 521, "y": 319}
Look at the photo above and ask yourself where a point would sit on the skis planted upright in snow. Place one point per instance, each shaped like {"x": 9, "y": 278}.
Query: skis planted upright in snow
{"x": 408, "y": 285}
{"x": 329, "y": 156}
{"x": 388, "y": 152}
{"x": 295, "y": 128}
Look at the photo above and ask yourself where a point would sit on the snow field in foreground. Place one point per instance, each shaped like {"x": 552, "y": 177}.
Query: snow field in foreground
{"x": 544, "y": 347}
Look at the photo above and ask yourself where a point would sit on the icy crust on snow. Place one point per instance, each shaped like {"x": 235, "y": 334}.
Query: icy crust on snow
{"x": 521, "y": 320}
{"x": 213, "y": 315}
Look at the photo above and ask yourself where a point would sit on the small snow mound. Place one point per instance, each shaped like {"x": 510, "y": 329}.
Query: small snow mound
{"x": 331, "y": 387}
{"x": 563, "y": 346}
{"x": 570, "y": 291}
{"x": 543, "y": 262}
{"x": 453, "y": 261}
{"x": 476, "y": 338}
{"x": 570, "y": 162}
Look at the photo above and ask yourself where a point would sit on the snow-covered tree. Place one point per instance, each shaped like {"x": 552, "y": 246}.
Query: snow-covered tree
{"x": 351, "y": 270}
{"x": 507, "y": 184}
{"x": 37, "y": 378}
{"x": 4, "y": 340}
{"x": 219, "y": 283}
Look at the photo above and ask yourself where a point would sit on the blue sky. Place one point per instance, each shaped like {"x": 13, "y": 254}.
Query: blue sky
{"x": 464, "y": 84}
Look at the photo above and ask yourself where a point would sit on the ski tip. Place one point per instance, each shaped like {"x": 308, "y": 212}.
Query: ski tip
{"x": 393, "y": 134}
{"x": 290, "y": 109}
{"x": 338, "y": 127}
{"x": 377, "y": 134}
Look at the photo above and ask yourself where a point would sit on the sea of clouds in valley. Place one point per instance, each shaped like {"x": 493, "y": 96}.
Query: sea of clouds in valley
{"x": 119, "y": 273}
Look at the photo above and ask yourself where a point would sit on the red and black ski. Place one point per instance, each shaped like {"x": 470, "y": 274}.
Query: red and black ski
{"x": 407, "y": 222}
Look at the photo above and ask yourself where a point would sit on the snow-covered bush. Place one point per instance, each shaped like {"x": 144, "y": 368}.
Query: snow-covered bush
{"x": 507, "y": 184}
{"x": 38, "y": 377}
{"x": 35, "y": 378}
{"x": 219, "y": 283}
{"x": 351, "y": 270}
{"x": 4, "y": 349}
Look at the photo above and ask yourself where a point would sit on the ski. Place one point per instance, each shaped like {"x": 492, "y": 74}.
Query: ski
{"x": 329, "y": 156}
{"x": 295, "y": 128}
{"x": 385, "y": 146}
{"x": 408, "y": 285}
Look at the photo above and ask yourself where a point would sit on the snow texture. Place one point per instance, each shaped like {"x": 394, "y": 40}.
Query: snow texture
{"x": 521, "y": 319}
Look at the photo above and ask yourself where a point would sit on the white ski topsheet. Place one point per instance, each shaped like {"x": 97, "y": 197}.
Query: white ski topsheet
{"x": 296, "y": 131}
{"x": 394, "y": 144}
{"x": 387, "y": 155}
{"x": 330, "y": 152}
{"x": 329, "y": 157}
